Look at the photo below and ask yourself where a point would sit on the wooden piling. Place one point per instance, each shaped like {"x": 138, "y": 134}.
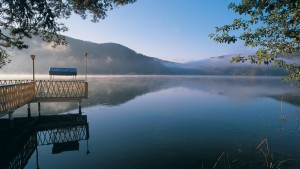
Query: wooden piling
{"x": 11, "y": 119}
{"x": 39, "y": 108}
{"x": 79, "y": 107}
{"x": 28, "y": 110}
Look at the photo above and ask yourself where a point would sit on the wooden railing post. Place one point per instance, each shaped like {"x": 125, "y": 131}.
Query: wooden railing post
{"x": 34, "y": 88}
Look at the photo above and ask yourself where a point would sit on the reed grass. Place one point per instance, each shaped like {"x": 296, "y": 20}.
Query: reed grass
{"x": 263, "y": 148}
{"x": 216, "y": 163}
{"x": 268, "y": 156}
{"x": 226, "y": 161}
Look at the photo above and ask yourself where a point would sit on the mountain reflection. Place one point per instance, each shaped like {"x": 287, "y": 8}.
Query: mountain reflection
{"x": 21, "y": 139}
{"x": 114, "y": 91}
{"x": 117, "y": 90}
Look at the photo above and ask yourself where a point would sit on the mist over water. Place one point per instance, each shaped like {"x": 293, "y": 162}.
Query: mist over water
{"x": 181, "y": 122}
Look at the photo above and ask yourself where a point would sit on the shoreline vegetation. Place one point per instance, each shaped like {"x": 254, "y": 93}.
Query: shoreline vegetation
{"x": 29, "y": 76}
{"x": 265, "y": 158}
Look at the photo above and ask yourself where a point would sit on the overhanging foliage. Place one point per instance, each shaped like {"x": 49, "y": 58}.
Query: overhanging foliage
{"x": 271, "y": 26}
{"x": 21, "y": 19}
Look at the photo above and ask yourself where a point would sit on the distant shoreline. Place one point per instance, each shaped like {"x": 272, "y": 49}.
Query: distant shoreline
{"x": 81, "y": 77}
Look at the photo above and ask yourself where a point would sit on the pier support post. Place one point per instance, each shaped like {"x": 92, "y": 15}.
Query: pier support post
{"x": 39, "y": 108}
{"x": 10, "y": 116}
{"x": 11, "y": 119}
{"x": 79, "y": 107}
{"x": 28, "y": 110}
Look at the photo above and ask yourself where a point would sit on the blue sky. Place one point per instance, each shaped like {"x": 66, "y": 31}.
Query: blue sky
{"x": 174, "y": 30}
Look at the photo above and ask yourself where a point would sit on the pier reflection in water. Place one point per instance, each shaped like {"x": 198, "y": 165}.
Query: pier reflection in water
{"x": 19, "y": 141}
{"x": 175, "y": 123}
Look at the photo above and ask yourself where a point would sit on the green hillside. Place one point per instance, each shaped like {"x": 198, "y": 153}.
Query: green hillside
{"x": 113, "y": 58}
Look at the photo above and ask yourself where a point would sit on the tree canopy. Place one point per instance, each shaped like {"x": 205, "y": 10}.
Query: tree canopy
{"x": 21, "y": 19}
{"x": 270, "y": 26}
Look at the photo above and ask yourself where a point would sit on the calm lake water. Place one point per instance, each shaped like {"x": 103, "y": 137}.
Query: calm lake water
{"x": 170, "y": 122}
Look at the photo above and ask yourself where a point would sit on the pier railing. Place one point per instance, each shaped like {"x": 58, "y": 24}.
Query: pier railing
{"x": 47, "y": 89}
{"x": 16, "y": 93}
{"x": 14, "y": 96}
{"x": 13, "y": 82}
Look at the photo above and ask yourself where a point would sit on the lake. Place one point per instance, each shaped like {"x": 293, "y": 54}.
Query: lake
{"x": 178, "y": 122}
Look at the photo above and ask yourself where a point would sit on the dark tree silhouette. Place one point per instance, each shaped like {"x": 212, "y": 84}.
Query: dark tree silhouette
{"x": 271, "y": 26}
{"x": 21, "y": 19}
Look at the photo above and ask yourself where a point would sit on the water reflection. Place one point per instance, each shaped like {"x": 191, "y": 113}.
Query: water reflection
{"x": 182, "y": 122}
{"x": 19, "y": 141}
{"x": 117, "y": 90}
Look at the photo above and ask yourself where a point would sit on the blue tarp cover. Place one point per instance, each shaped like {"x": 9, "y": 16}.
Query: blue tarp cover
{"x": 62, "y": 71}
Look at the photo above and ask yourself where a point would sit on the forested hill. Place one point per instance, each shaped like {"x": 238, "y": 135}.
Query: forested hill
{"x": 106, "y": 58}
{"x": 112, "y": 58}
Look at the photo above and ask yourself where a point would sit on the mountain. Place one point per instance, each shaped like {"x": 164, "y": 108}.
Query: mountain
{"x": 106, "y": 58}
{"x": 221, "y": 65}
{"x": 112, "y": 58}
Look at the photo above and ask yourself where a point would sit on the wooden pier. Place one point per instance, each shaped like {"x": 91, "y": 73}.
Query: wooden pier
{"x": 17, "y": 93}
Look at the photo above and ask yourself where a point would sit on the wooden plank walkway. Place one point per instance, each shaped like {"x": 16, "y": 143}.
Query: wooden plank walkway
{"x": 17, "y": 93}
